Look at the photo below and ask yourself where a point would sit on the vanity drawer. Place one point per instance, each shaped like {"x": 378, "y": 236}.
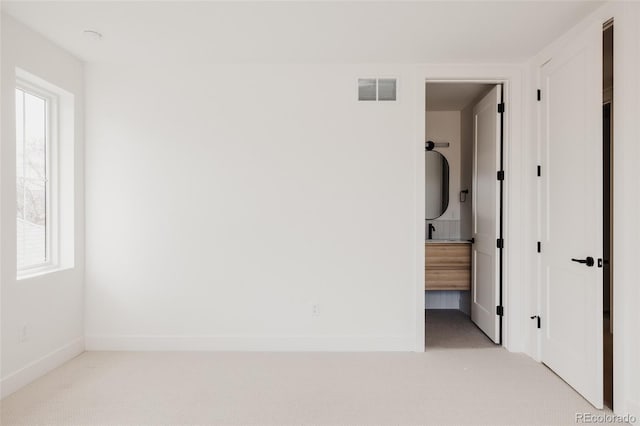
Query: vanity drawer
{"x": 447, "y": 279}
{"x": 447, "y": 256}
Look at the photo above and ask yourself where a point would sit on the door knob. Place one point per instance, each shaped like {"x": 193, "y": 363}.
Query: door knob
{"x": 588, "y": 261}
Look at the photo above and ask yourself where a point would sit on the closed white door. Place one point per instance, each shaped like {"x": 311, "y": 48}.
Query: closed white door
{"x": 485, "y": 286}
{"x": 571, "y": 214}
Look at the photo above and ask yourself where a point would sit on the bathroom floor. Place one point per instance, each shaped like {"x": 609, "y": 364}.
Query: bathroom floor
{"x": 451, "y": 329}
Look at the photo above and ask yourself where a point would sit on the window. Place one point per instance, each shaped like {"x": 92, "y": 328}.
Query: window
{"x": 33, "y": 178}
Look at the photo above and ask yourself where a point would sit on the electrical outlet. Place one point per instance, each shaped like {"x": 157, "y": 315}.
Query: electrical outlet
{"x": 24, "y": 333}
{"x": 315, "y": 310}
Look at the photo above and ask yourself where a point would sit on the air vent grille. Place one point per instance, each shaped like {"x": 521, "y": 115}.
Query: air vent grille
{"x": 377, "y": 89}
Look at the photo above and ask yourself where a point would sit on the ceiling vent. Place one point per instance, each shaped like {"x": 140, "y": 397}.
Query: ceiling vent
{"x": 377, "y": 89}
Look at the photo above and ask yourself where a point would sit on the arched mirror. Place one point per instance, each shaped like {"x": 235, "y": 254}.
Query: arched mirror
{"x": 437, "y": 184}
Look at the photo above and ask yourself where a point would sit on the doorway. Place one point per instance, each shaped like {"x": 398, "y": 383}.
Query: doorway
{"x": 464, "y": 175}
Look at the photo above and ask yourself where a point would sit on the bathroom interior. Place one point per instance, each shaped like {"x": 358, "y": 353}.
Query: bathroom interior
{"x": 449, "y": 156}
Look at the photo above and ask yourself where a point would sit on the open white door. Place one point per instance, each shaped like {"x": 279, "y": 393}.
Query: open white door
{"x": 571, "y": 214}
{"x": 485, "y": 277}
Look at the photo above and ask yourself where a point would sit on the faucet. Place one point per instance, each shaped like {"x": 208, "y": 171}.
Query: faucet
{"x": 431, "y": 229}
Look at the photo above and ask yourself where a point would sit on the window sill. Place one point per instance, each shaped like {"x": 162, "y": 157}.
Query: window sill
{"x": 38, "y": 272}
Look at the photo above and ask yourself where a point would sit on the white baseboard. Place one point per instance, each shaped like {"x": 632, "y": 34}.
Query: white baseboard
{"x": 250, "y": 343}
{"x": 40, "y": 367}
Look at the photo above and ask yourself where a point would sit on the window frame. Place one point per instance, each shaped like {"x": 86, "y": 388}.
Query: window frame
{"x": 51, "y": 169}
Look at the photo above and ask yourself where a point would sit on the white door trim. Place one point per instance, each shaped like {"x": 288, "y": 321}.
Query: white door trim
{"x": 516, "y": 282}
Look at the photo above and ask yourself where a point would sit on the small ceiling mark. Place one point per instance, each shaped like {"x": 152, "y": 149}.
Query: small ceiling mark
{"x": 92, "y": 35}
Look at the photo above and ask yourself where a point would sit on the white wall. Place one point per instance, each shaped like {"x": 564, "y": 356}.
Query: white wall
{"x": 223, "y": 202}
{"x": 444, "y": 126}
{"x": 50, "y": 306}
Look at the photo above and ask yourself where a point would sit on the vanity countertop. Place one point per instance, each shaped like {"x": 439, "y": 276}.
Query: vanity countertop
{"x": 447, "y": 242}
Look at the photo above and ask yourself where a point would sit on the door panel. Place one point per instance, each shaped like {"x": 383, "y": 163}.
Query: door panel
{"x": 486, "y": 214}
{"x": 571, "y": 213}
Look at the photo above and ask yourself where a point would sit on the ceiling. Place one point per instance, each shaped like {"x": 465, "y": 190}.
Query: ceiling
{"x": 454, "y": 96}
{"x": 302, "y": 31}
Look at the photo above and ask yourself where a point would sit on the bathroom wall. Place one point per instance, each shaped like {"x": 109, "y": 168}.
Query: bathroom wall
{"x": 444, "y": 126}
{"x": 455, "y": 127}
{"x": 448, "y": 299}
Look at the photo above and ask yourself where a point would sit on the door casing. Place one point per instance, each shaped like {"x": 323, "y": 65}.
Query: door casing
{"x": 511, "y": 80}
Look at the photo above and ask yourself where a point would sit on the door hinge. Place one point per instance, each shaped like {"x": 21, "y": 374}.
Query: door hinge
{"x": 539, "y": 170}
{"x": 537, "y": 317}
{"x": 539, "y": 247}
{"x": 501, "y": 107}
{"x": 500, "y": 243}
{"x": 500, "y": 174}
{"x": 539, "y": 95}
{"x": 499, "y": 310}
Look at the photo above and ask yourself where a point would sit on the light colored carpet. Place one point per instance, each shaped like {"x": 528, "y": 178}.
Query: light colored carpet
{"x": 477, "y": 386}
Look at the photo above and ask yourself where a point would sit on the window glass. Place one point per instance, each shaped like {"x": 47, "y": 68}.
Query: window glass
{"x": 31, "y": 179}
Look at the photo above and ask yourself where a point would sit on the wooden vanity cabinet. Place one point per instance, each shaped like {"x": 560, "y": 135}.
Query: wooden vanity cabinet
{"x": 447, "y": 266}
